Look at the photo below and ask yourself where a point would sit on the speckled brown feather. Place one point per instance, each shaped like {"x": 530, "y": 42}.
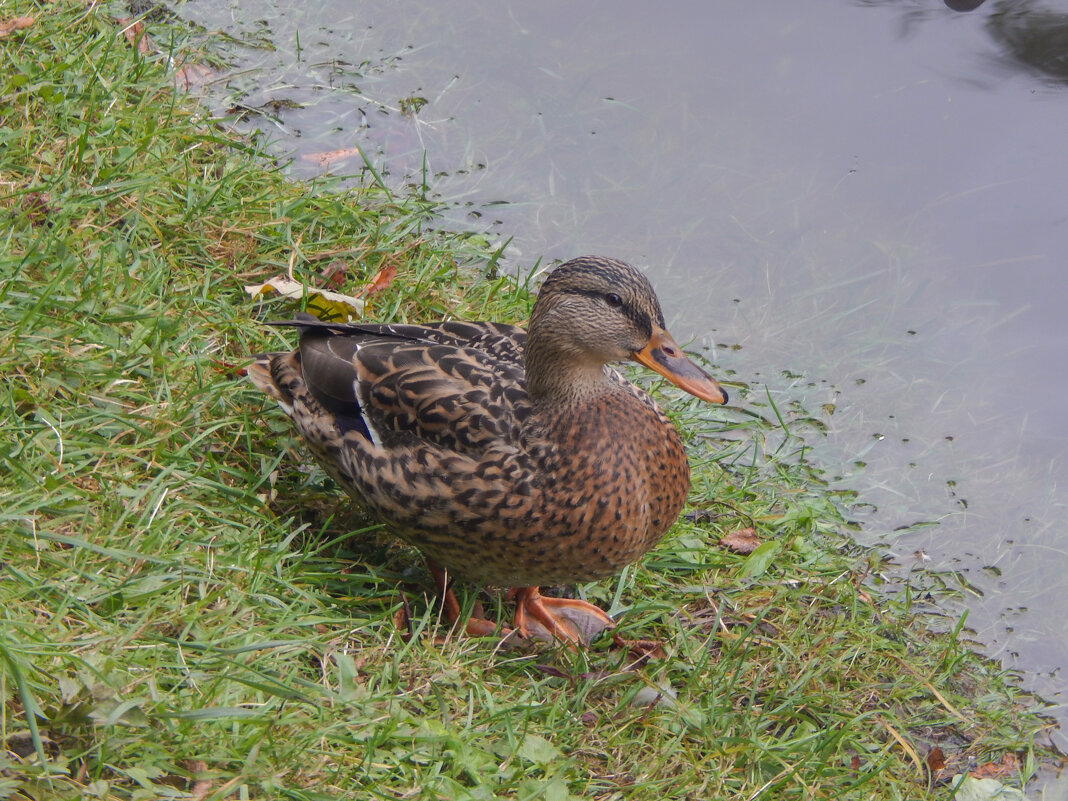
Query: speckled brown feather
{"x": 432, "y": 429}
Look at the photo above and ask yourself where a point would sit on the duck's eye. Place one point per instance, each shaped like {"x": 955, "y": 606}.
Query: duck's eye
{"x": 613, "y": 300}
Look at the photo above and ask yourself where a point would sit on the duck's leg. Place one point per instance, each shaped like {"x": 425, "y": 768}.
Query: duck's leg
{"x": 476, "y": 625}
{"x": 564, "y": 619}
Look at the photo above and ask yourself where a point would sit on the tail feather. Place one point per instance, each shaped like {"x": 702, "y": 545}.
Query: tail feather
{"x": 259, "y": 373}
{"x": 279, "y": 376}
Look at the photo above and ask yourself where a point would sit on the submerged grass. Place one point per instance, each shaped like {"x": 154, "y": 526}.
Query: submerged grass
{"x": 190, "y": 609}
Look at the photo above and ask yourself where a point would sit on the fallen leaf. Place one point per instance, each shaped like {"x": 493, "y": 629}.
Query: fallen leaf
{"x": 137, "y": 37}
{"x": 325, "y": 305}
{"x": 760, "y": 560}
{"x": 334, "y": 273}
{"x": 1008, "y": 766}
{"x": 743, "y": 541}
{"x": 402, "y": 620}
{"x": 326, "y": 158}
{"x": 936, "y": 760}
{"x": 383, "y": 278}
{"x": 200, "y": 787}
{"x": 538, "y": 750}
{"x": 8, "y": 26}
{"x": 191, "y": 74}
{"x": 640, "y": 650}
{"x": 969, "y": 788}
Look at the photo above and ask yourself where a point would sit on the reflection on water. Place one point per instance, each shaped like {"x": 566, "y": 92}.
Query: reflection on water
{"x": 874, "y": 225}
{"x": 1032, "y": 35}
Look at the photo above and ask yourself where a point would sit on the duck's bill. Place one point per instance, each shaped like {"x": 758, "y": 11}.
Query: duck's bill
{"x": 665, "y": 356}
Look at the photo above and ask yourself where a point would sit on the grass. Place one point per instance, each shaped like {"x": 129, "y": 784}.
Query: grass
{"x": 191, "y": 610}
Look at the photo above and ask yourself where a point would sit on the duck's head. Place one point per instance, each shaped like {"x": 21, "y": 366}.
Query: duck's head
{"x": 592, "y": 311}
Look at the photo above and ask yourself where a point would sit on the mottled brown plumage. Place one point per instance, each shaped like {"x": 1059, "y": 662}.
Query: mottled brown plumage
{"x": 508, "y": 458}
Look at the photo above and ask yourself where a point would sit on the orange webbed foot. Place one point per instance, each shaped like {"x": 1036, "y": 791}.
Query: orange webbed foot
{"x": 564, "y": 620}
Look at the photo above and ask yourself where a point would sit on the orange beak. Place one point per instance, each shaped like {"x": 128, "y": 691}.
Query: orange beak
{"x": 665, "y": 356}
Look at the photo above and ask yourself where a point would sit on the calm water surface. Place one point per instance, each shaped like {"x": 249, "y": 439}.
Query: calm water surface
{"x": 870, "y": 198}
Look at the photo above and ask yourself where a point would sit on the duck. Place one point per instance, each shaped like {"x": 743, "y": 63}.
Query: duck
{"x": 509, "y": 458}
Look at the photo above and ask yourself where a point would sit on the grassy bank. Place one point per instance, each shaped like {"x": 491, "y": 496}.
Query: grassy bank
{"x": 190, "y": 609}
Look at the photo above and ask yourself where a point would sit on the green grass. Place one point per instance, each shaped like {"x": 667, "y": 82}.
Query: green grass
{"x": 191, "y": 609}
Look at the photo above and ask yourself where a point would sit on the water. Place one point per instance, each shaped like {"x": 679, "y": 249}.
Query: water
{"x": 869, "y": 198}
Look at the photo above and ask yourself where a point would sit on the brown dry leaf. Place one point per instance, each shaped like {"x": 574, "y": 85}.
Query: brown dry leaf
{"x": 200, "y": 787}
{"x": 191, "y": 74}
{"x": 402, "y": 620}
{"x": 383, "y": 278}
{"x": 1008, "y": 766}
{"x": 334, "y": 273}
{"x": 326, "y": 158}
{"x": 936, "y": 764}
{"x": 640, "y": 651}
{"x": 9, "y": 26}
{"x": 936, "y": 760}
{"x": 137, "y": 37}
{"x": 743, "y": 541}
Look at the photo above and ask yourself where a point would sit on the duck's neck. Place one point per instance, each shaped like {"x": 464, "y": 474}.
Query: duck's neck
{"x": 556, "y": 376}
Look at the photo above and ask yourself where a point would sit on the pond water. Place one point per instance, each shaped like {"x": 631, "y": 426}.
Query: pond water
{"x": 869, "y": 198}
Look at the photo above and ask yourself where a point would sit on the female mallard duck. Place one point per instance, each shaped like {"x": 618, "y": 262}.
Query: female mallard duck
{"x": 508, "y": 458}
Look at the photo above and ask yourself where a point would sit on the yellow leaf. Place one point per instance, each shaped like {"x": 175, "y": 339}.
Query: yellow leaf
{"x": 326, "y": 305}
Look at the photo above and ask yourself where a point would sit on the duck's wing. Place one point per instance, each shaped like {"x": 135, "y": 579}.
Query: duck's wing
{"x": 457, "y": 386}
{"x": 499, "y": 340}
